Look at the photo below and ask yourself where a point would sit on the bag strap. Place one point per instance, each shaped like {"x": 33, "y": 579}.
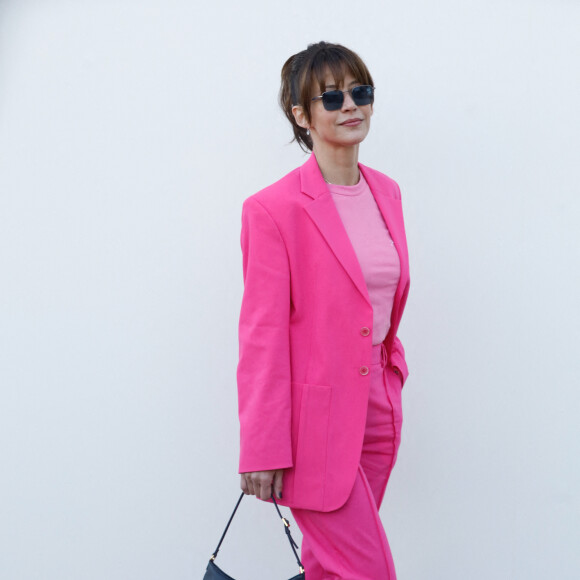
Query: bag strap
{"x": 293, "y": 544}
{"x": 286, "y": 523}
{"x": 214, "y": 555}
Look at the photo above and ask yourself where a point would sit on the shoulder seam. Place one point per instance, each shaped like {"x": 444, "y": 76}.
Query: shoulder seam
{"x": 273, "y": 221}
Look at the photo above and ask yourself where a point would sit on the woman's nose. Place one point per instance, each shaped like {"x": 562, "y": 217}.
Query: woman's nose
{"x": 348, "y": 102}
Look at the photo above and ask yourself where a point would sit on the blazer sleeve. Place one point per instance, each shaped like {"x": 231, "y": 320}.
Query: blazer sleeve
{"x": 263, "y": 371}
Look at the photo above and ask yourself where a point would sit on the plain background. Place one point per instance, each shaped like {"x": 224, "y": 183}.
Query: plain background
{"x": 130, "y": 134}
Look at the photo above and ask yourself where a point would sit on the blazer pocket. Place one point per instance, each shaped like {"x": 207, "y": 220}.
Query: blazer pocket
{"x": 312, "y": 434}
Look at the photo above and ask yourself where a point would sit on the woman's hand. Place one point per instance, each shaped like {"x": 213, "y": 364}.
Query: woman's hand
{"x": 259, "y": 483}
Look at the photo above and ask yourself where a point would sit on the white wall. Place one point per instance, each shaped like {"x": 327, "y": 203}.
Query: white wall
{"x": 131, "y": 132}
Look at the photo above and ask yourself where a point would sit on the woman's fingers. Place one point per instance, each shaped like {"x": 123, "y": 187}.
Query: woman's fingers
{"x": 278, "y": 483}
{"x": 259, "y": 483}
{"x": 251, "y": 486}
{"x": 264, "y": 484}
{"x": 246, "y": 484}
{"x": 266, "y": 487}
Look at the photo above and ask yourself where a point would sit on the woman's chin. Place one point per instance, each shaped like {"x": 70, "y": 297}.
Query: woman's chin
{"x": 354, "y": 138}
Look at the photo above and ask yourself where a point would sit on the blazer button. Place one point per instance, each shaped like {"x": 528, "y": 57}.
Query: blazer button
{"x": 365, "y": 331}
{"x": 364, "y": 370}
{"x": 397, "y": 372}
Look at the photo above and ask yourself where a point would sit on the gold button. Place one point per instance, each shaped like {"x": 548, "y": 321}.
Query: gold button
{"x": 364, "y": 370}
{"x": 365, "y": 331}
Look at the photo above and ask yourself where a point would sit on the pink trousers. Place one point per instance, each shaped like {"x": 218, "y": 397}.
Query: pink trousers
{"x": 350, "y": 543}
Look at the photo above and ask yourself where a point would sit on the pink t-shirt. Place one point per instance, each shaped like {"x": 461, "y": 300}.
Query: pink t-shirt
{"x": 373, "y": 247}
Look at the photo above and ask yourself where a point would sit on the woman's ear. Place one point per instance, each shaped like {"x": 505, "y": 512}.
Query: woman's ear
{"x": 300, "y": 116}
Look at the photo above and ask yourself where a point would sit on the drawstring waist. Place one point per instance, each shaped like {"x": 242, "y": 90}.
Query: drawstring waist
{"x": 379, "y": 355}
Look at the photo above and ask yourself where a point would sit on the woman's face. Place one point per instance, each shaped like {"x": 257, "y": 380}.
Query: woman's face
{"x": 336, "y": 129}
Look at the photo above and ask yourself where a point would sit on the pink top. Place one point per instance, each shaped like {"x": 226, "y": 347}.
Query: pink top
{"x": 374, "y": 248}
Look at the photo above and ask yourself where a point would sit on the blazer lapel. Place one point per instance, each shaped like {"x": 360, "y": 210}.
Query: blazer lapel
{"x": 324, "y": 214}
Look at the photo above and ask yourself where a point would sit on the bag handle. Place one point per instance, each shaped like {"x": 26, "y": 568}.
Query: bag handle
{"x": 286, "y": 523}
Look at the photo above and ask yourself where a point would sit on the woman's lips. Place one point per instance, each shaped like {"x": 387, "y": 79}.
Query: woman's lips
{"x": 352, "y": 122}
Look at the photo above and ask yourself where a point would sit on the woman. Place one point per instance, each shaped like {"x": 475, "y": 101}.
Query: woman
{"x": 321, "y": 369}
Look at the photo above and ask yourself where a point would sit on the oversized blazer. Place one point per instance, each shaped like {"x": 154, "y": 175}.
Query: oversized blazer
{"x": 305, "y": 335}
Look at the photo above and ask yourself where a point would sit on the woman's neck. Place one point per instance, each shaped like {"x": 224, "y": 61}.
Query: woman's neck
{"x": 339, "y": 166}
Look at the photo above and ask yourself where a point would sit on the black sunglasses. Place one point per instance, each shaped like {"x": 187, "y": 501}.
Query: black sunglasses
{"x": 361, "y": 95}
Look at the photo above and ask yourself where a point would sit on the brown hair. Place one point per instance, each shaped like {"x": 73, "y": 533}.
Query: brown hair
{"x": 302, "y": 69}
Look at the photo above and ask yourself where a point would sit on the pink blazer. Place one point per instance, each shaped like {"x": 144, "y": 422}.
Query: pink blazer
{"x": 305, "y": 332}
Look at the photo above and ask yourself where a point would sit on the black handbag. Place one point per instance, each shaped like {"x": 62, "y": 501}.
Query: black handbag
{"x": 213, "y": 572}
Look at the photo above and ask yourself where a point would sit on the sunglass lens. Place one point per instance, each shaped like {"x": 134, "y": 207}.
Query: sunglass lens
{"x": 332, "y": 100}
{"x": 362, "y": 95}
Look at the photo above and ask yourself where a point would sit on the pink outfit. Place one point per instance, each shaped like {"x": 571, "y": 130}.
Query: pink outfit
{"x": 350, "y": 542}
{"x": 316, "y": 397}
{"x": 373, "y": 246}
{"x": 305, "y": 335}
